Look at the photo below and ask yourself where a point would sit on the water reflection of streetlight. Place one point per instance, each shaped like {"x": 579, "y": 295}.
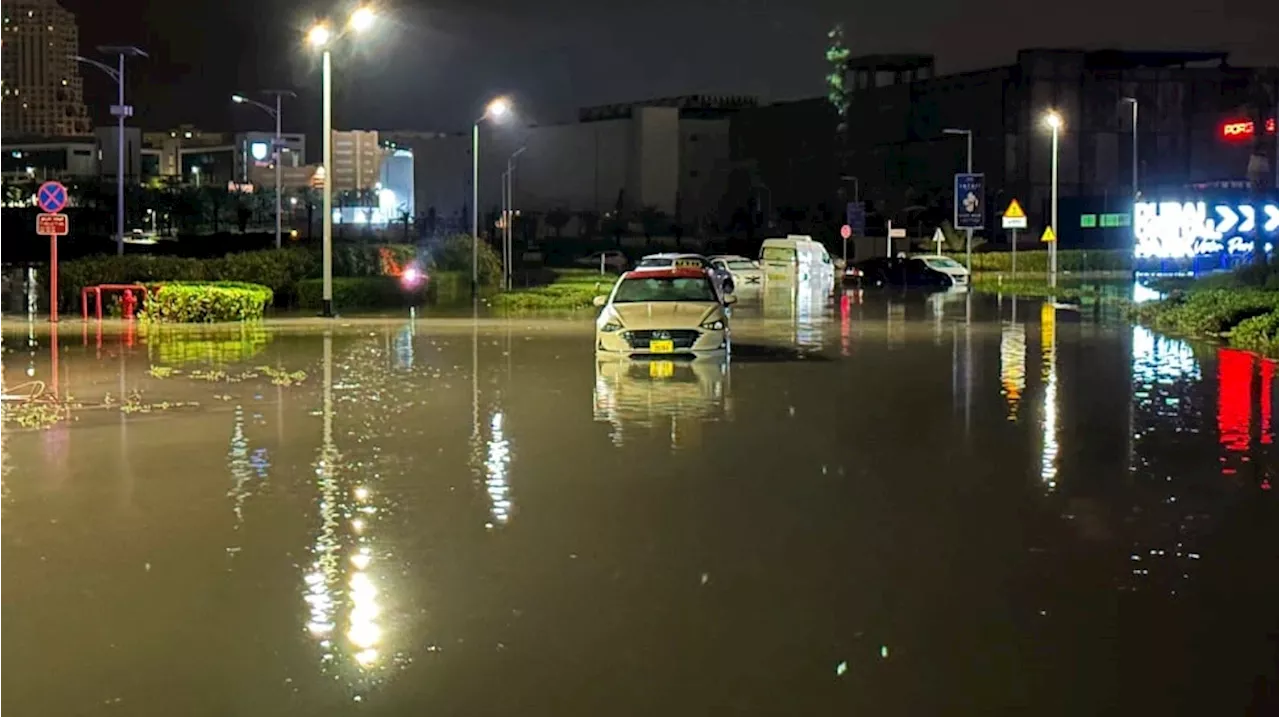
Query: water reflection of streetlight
{"x": 1049, "y": 374}
{"x": 1013, "y": 363}
{"x": 496, "y": 483}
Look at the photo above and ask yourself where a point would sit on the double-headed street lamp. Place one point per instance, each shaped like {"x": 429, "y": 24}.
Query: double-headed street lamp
{"x": 278, "y": 145}
{"x": 320, "y": 37}
{"x": 496, "y": 110}
{"x": 1054, "y": 121}
{"x": 120, "y": 111}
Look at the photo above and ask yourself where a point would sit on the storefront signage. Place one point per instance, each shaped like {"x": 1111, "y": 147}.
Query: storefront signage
{"x": 1237, "y": 129}
{"x": 1176, "y": 230}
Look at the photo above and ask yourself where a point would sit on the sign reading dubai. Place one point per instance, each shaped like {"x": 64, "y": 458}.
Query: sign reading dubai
{"x": 1179, "y": 230}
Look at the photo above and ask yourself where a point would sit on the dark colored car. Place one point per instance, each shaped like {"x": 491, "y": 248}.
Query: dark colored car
{"x": 898, "y": 271}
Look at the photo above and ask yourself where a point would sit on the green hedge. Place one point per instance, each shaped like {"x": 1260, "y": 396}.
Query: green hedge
{"x": 569, "y": 290}
{"x": 278, "y": 269}
{"x": 361, "y": 292}
{"x": 1257, "y": 333}
{"x": 1068, "y": 260}
{"x": 454, "y": 254}
{"x": 206, "y": 302}
{"x": 1206, "y": 312}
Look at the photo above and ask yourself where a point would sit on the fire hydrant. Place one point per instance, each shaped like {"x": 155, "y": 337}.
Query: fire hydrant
{"x": 129, "y": 302}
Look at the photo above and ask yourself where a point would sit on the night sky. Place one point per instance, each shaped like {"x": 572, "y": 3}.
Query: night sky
{"x": 431, "y": 65}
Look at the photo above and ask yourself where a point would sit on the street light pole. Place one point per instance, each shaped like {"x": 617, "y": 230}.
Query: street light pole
{"x": 1134, "y": 102}
{"x": 508, "y": 248}
{"x": 1055, "y": 122}
{"x": 326, "y": 304}
{"x": 360, "y": 20}
{"x": 968, "y": 233}
{"x": 120, "y": 111}
{"x": 278, "y": 146}
{"x": 475, "y": 212}
{"x": 496, "y": 109}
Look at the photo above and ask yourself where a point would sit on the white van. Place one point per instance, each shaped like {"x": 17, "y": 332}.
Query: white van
{"x": 797, "y": 260}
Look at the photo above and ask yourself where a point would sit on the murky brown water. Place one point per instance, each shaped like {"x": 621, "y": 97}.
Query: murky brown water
{"x": 908, "y": 506}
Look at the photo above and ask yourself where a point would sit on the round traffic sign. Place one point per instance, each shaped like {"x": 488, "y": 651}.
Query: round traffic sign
{"x": 51, "y": 197}
{"x": 846, "y": 231}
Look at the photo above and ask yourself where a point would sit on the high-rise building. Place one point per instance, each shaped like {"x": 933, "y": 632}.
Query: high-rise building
{"x": 43, "y": 94}
{"x": 357, "y": 160}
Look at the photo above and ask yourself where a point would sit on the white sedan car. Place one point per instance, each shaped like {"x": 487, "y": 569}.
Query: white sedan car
{"x": 658, "y": 312}
{"x": 746, "y": 273}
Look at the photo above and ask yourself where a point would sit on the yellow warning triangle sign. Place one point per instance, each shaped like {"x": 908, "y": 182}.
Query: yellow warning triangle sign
{"x": 1048, "y": 235}
{"x": 1014, "y": 211}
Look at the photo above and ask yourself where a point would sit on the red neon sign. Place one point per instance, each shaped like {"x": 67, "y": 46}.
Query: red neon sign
{"x": 1243, "y": 129}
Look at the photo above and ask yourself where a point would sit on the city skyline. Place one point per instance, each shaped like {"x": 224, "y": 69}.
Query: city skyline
{"x": 432, "y": 66}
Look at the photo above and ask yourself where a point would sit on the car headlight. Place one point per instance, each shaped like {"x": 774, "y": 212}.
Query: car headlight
{"x": 714, "y": 325}
{"x": 609, "y": 323}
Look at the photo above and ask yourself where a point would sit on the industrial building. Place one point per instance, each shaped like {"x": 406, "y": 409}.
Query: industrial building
{"x": 43, "y": 94}
{"x": 1196, "y": 119}
{"x": 668, "y": 155}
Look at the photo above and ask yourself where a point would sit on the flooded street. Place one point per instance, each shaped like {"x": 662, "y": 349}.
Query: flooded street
{"x": 908, "y": 505}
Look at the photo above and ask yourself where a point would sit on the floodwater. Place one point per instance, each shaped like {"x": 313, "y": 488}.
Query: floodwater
{"x": 910, "y": 505}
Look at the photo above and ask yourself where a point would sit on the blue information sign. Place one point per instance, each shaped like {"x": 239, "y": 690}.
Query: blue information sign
{"x": 970, "y": 202}
{"x": 855, "y": 215}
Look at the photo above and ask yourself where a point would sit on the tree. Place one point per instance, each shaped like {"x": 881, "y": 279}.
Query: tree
{"x": 557, "y": 219}
{"x": 588, "y": 223}
{"x": 654, "y": 221}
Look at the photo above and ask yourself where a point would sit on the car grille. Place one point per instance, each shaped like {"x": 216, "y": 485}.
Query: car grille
{"x": 680, "y": 338}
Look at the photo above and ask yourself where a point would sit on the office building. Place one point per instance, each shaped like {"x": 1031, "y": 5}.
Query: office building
{"x": 1195, "y": 126}
{"x": 669, "y": 155}
{"x": 43, "y": 95}
{"x": 357, "y": 160}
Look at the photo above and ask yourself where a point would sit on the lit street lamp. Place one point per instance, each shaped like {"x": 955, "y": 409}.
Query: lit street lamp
{"x": 278, "y": 144}
{"x": 319, "y": 37}
{"x": 119, "y": 111}
{"x": 968, "y": 233}
{"x": 496, "y": 110}
{"x": 1054, "y": 120}
{"x": 1134, "y": 177}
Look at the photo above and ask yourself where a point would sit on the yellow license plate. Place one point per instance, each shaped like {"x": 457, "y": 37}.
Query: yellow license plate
{"x": 661, "y": 369}
{"x": 662, "y": 347}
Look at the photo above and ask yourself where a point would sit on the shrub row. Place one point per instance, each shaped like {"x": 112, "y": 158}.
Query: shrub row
{"x": 1075, "y": 260}
{"x": 568, "y": 290}
{"x": 280, "y": 270}
{"x": 206, "y": 302}
{"x": 1258, "y": 333}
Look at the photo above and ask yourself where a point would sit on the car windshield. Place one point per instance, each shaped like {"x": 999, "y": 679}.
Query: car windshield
{"x": 742, "y": 264}
{"x": 778, "y": 253}
{"x": 942, "y": 262}
{"x": 666, "y": 288}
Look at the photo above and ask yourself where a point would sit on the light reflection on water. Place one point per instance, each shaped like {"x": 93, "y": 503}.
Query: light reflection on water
{"x": 1049, "y": 376}
{"x": 360, "y": 579}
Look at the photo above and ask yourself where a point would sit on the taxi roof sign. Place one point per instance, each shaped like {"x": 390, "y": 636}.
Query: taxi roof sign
{"x": 1048, "y": 235}
{"x": 1014, "y": 211}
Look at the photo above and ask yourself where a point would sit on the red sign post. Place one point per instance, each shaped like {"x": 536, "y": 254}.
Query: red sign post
{"x": 52, "y": 197}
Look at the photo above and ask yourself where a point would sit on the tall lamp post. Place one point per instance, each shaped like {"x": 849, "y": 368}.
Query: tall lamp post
{"x": 278, "y": 144}
{"x": 968, "y": 233}
{"x": 319, "y": 37}
{"x": 1054, "y": 120}
{"x": 509, "y": 214}
{"x": 496, "y": 110}
{"x": 1134, "y": 123}
{"x": 119, "y": 110}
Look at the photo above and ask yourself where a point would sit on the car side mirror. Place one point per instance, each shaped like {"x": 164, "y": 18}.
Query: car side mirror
{"x": 730, "y": 299}
{"x": 599, "y": 301}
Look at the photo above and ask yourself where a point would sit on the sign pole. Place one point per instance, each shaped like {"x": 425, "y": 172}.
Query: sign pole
{"x": 888, "y": 240}
{"x": 1015, "y": 252}
{"x": 53, "y": 279}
